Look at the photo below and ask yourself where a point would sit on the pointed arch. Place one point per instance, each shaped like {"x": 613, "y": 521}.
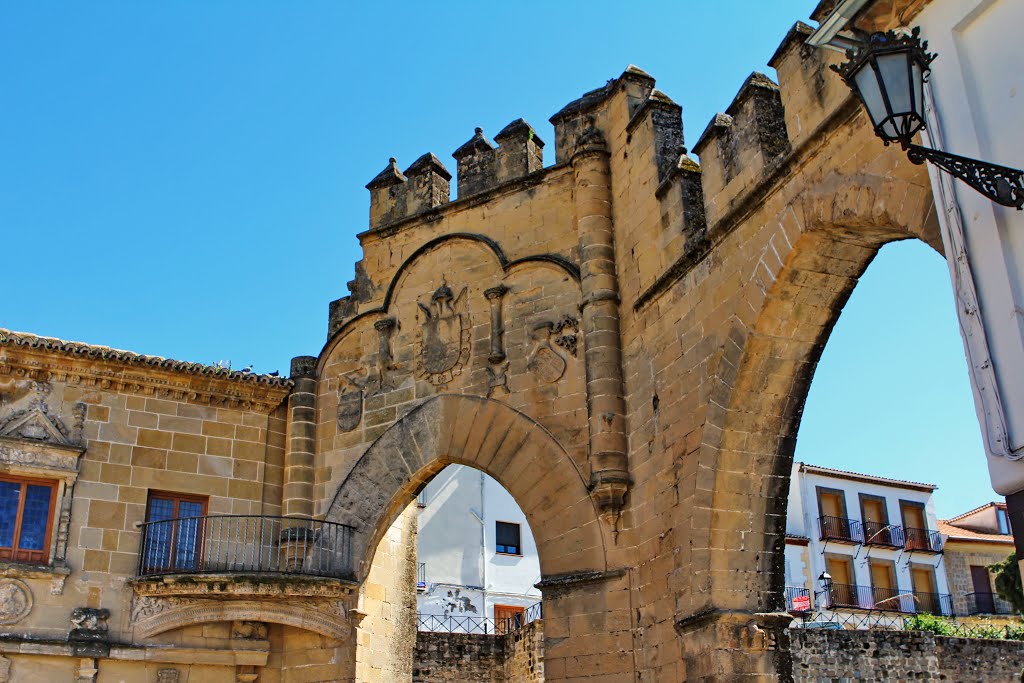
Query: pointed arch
{"x": 767, "y": 363}
{"x": 487, "y": 435}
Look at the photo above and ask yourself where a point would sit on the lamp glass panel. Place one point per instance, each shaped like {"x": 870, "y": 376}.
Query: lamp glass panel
{"x": 870, "y": 92}
{"x": 896, "y": 81}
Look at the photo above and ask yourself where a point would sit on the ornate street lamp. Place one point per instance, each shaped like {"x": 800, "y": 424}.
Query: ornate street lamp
{"x": 888, "y": 71}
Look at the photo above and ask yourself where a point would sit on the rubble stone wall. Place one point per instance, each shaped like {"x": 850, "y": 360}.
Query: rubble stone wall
{"x": 476, "y": 658}
{"x": 820, "y": 655}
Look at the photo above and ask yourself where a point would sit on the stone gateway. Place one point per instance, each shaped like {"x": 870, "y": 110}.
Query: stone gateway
{"x": 623, "y": 338}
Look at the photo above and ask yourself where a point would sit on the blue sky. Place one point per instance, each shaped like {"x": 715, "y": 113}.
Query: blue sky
{"x": 186, "y": 179}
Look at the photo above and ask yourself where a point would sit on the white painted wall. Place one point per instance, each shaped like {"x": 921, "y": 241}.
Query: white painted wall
{"x": 464, "y": 574}
{"x": 802, "y": 520}
{"x": 977, "y": 96}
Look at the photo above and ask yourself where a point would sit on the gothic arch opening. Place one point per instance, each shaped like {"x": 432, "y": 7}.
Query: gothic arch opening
{"x": 476, "y": 555}
{"x": 377, "y": 498}
{"x": 494, "y": 438}
{"x": 767, "y": 365}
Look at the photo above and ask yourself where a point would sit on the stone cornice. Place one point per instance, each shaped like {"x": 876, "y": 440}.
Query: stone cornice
{"x": 25, "y": 356}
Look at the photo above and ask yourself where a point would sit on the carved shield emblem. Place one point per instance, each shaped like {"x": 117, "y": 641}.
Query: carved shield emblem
{"x": 350, "y": 405}
{"x": 545, "y": 360}
{"x": 546, "y": 363}
{"x": 442, "y": 343}
{"x": 444, "y": 336}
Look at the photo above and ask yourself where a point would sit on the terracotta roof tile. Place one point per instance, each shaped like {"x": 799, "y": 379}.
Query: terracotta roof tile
{"x": 72, "y": 348}
{"x": 859, "y": 476}
{"x": 956, "y": 533}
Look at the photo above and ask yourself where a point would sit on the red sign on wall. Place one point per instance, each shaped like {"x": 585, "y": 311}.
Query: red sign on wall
{"x": 801, "y": 603}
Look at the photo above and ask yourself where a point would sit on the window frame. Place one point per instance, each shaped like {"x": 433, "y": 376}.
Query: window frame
{"x": 46, "y": 552}
{"x": 826, "y": 490}
{"x": 519, "y": 538}
{"x": 170, "y": 567}
{"x": 1003, "y": 521}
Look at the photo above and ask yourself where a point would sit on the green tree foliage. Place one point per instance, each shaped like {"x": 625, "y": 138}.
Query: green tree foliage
{"x": 1008, "y": 582}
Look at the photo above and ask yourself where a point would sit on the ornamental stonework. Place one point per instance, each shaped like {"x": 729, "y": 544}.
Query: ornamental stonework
{"x": 15, "y": 600}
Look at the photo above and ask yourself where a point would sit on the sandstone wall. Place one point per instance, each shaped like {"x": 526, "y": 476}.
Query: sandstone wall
{"x": 897, "y": 656}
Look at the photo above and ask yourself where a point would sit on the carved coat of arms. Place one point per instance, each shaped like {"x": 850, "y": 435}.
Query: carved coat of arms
{"x": 350, "y": 404}
{"x": 546, "y": 362}
{"x": 444, "y": 336}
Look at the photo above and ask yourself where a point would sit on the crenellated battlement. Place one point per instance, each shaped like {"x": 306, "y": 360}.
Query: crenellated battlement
{"x": 483, "y": 165}
{"x": 738, "y": 146}
{"x": 395, "y": 195}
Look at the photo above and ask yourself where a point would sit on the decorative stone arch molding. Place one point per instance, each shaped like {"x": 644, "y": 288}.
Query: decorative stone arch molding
{"x": 766, "y": 364}
{"x": 153, "y": 616}
{"x": 494, "y": 438}
{"x": 486, "y": 244}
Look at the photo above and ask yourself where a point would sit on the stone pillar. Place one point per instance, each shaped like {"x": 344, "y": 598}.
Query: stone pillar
{"x": 609, "y": 477}
{"x": 301, "y": 444}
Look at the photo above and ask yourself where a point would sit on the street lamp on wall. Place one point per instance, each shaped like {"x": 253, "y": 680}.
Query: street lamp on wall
{"x": 888, "y": 71}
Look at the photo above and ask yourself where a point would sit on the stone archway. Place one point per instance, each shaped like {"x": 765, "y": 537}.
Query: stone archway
{"x": 492, "y": 437}
{"x": 767, "y": 367}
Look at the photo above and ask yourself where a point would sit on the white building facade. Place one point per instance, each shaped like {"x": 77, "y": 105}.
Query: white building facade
{"x": 478, "y": 560}
{"x": 874, "y": 541}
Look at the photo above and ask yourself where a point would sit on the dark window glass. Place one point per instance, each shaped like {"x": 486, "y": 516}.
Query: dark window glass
{"x": 26, "y": 514}
{"x": 174, "y": 532}
{"x": 10, "y": 493}
{"x": 507, "y": 539}
{"x": 1004, "y": 522}
{"x": 36, "y": 517}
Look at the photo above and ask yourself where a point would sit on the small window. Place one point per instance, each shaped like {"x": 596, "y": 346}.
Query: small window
{"x": 26, "y": 517}
{"x": 508, "y": 539}
{"x": 174, "y": 532}
{"x": 421, "y": 499}
{"x": 1004, "y": 521}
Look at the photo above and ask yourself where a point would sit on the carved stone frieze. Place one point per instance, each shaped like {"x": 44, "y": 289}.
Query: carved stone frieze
{"x": 37, "y": 422}
{"x": 444, "y": 336}
{"x": 253, "y": 392}
{"x": 249, "y": 630}
{"x": 15, "y": 600}
{"x": 234, "y": 587}
{"x": 167, "y": 675}
{"x": 151, "y": 615}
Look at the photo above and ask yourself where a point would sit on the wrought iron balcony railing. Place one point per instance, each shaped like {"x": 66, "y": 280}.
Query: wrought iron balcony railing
{"x": 986, "y": 603}
{"x": 245, "y": 544}
{"x": 939, "y": 604}
{"x": 798, "y": 600}
{"x": 479, "y": 625}
{"x": 840, "y": 529}
{"x": 843, "y": 596}
{"x": 923, "y": 540}
{"x": 880, "y": 533}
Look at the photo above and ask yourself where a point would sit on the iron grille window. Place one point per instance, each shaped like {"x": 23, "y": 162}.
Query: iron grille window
{"x": 508, "y": 541}
{"x": 26, "y": 516}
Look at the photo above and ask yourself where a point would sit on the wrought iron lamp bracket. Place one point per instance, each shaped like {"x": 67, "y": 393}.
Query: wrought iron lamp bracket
{"x": 1001, "y": 184}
